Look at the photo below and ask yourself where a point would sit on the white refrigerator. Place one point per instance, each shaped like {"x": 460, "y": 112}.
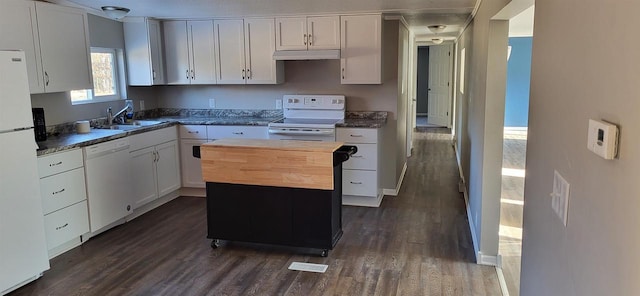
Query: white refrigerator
{"x": 23, "y": 248}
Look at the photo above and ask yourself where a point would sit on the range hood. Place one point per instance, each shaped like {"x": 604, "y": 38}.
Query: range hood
{"x": 288, "y": 55}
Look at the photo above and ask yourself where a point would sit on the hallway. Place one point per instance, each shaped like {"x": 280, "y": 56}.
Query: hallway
{"x": 416, "y": 243}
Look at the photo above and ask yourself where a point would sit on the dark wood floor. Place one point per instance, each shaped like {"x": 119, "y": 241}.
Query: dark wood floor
{"x": 417, "y": 243}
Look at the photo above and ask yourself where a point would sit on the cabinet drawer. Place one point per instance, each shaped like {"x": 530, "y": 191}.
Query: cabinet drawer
{"x": 59, "y": 162}
{"x": 62, "y": 190}
{"x": 236, "y": 131}
{"x": 152, "y": 138}
{"x": 357, "y": 135}
{"x": 66, "y": 224}
{"x": 365, "y": 159}
{"x": 193, "y": 132}
{"x": 356, "y": 182}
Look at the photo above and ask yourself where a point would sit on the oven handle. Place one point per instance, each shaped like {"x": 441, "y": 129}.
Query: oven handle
{"x": 300, "y": 132}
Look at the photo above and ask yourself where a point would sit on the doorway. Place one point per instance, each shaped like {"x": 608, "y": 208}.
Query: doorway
{"x": 433, "y": 86}
{"x": 514, "y": 147}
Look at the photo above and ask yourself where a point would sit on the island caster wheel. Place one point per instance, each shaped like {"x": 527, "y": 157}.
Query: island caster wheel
{"x": 324, "y": 253}
{"x": 215, "y": 243}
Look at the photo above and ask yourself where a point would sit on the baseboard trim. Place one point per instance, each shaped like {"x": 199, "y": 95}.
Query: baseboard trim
{"x": 362, "y": 201}
{"x": 154, "y": 204}
{"x": 394, "y": 192}
{"x": 196, "y": 192}
{"x": 502, "y": 281}
{"x": 472, "y": 226}
{"x": 491, "y": 260}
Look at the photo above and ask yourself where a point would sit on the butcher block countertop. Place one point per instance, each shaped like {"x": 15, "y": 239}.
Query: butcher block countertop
{"x": 280, "y": 163}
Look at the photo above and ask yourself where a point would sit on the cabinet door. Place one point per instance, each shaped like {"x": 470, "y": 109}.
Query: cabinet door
{"x": 323, "y": 32}
{"x": 64, "y": 47}
{"x": 291, "y": 33}
{"x": 155, "y": 47}
{"x": 203, "y": 68}
{"x": 229, "y": 36}
{"x": 361, "y": 49}
{"x": 191, "y": 167}
{"x": 168, "y": 167}
{"x": 176, "y": 52}
{"x": 144, "y": 52}
{"x": 259, "y": 48}
{"x": 143, "y": 174}
{"x": 19, "y": 30}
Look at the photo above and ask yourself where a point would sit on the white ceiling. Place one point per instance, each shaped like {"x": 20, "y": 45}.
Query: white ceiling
{"x": 418, "y": 13}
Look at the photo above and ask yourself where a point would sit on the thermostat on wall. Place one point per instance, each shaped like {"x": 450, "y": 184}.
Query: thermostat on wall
{"x": 603, "y": 139}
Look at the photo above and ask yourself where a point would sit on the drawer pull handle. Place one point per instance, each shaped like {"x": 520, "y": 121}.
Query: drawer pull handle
{"x": 355, "y": 183}
{"x": 238, "y": 133}
{"x": 356, "y": 136}
{"x": 196, "y": 132}
{"x": 356, "y": 156}
{"x": 59, "y": 191}
{"x": 55, "y": 164}
{"x": 63, "y": 226}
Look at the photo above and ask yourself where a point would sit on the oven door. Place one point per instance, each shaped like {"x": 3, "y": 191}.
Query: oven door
{"x": 302, "y": 133}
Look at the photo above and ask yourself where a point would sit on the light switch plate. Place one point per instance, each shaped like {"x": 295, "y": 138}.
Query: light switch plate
{"x": 560, "y": 197}
{"x": 278, "y": 104}
{"x": 212, "y": 103}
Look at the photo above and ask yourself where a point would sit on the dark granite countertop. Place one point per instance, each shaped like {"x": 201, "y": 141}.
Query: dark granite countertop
{"x": 70, "y": 140}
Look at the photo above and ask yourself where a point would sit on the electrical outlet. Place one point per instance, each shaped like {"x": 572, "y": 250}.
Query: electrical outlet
{"x": 142, "y": 105}
{"x": 560, "y": 197}
{"x": 212, "y": 103}
{"x": 278, "y": 104}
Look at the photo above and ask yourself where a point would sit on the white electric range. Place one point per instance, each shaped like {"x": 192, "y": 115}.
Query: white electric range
{"x": 309, "y": 118}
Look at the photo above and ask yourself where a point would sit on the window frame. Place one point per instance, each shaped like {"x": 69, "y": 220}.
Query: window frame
{"x": 118, "y": 76}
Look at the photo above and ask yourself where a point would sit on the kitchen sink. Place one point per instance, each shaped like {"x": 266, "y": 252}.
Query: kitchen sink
{"x": 129, "y": 126}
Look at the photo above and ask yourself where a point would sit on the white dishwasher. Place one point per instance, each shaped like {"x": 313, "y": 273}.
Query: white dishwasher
{"x": 108, "y": 182}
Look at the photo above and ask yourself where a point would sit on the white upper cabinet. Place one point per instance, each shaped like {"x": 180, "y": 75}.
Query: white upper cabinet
{"x": 244, "y": 52}
{"x": 143, "y": 42}
{"x": 64, "y": 47}
{"x": 361, "y": 49}
{"x": 55, "y": 40}
{"x": 189, "y": 52}
{"x": 303, "y": 33}
{"x": 19, "y": 30}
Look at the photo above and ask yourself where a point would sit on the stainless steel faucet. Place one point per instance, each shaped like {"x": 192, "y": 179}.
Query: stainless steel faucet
{"x": 111, "y": 118}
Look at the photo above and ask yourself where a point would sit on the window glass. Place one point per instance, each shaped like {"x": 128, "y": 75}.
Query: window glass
{"x": 105, "y": 70}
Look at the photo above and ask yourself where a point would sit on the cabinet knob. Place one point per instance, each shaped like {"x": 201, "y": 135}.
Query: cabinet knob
{"x": 342, "y": 73}
{"x": 243, "y": 73}
{"x": 310, "y": 39}
{"x": 305, "y": 39}
{"x": 248, "y": 73}
{"x": 193, "y": 74}
{"x": 187, "y": 73}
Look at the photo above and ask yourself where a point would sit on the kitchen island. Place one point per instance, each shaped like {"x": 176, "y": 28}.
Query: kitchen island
{"x": 274, "y": 192}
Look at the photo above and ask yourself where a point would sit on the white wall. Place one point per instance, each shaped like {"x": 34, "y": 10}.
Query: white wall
{"x": 481, "y": 114}
{"x": 585, "y": 64}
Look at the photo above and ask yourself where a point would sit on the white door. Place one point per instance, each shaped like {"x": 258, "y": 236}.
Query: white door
{"x": 229, "y": 36}
{"x": 64, "y": 47}
{"x": 361, "y": 49}
{"x": 203, "y": 68}
{"x": 19, "y": 30}
{"x": 291, "y": 33}
{"x": 439, "y": 85}
{"x": 323, "y": 32}
{"x": 143, "y": 174}
{"x": 191, "y": 166}
{"x": 155, "y": 45}
{"x": 259, "y": 47}
{"x": 23, "y": 251}
{"x": 176, "y": 52}
{"x": 168, "y": 167}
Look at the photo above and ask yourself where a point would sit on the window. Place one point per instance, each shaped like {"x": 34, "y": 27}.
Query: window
{"x": 463, "y": 62}
{"x": 107, "y": 68}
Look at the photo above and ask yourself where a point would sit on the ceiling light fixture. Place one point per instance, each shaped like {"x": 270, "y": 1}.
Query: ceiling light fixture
{"x": 437, "y": 40}
{"x": 436, "y": 28}
{"x": 115, "y": 12}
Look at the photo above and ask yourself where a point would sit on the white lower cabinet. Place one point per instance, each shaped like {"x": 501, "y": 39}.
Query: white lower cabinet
{"x": 361, "y": 173}
{"x": 64, "y": 200}
{"x": 196, "y": 135}
{"x": 155, "y": 165}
